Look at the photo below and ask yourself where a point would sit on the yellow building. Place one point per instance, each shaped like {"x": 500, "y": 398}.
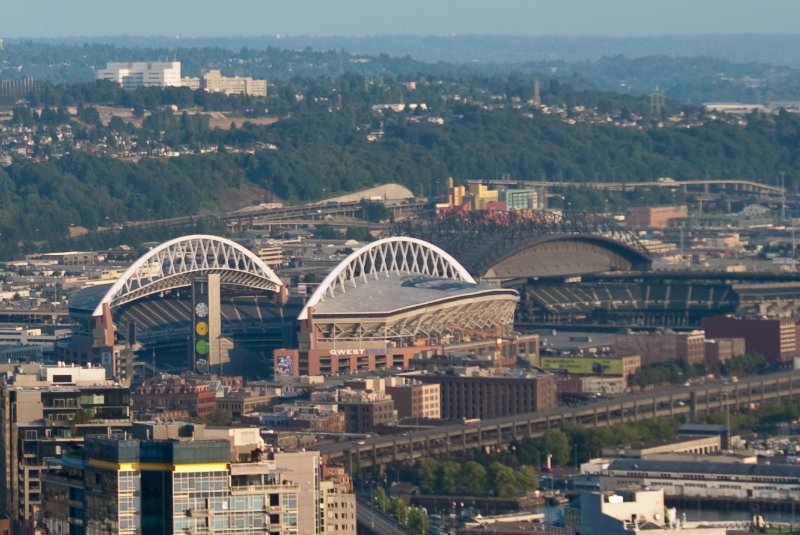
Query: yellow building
{"x": 483, "y": 195}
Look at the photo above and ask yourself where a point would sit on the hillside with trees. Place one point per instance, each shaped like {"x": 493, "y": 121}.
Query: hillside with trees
{"x": 334, "y": 136}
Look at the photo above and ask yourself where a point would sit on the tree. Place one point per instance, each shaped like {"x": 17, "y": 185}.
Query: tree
{"x": 380, "y": 499}
{"x": 473, "y": 479}
{"x": 427, "y": 471}
{"x": 374, "y": 211}
{"x": 503, "y": 479}
{"x": 555, "y": 443}
{"x": 527, "y": 478}
{"x": 89, "y": 115}
{"x": 418, "y": 520}
{"x": 449, "y": 472}
{"x": 399, "y": 510}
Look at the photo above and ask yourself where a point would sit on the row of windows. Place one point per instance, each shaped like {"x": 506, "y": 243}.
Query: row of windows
{"x": 715, "y": 477}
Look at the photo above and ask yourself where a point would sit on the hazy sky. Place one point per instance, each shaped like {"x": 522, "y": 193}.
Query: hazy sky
{"x": 59, "y": 18}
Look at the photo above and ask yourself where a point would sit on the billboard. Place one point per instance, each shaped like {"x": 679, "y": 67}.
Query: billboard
{"x": 583, "y": 365}
{"x": 284, "y": 366}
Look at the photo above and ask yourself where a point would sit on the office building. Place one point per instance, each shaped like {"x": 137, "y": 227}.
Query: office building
{"x": 654, "y": 348}
{"x": 44, "y": 410}
{"x": 241, "y": 402}
{"x": 363, "y": 412}
{"x": 174, "y": 393}
{"x": 774, "y": 338}
{"x": 520, "y": 199}
{"x": 129, "y": 486}
{"x": 414, "y": 399}
{"x": 138, "y": 74}
{"x": 654, "y": 216}
{"x": 473, "y": 393}
{"x": 214, "y": 82}
{"x": 724, "y": 349}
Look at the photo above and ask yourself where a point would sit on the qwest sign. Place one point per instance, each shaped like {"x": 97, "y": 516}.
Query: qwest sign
{"x": 356, "y": 352}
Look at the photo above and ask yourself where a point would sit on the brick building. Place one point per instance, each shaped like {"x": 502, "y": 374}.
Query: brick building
{"x": 241, "y": 402}
{"x": 654, "y": 216}
{"x": 656, "y": 348}
{"x": 724, "y": 349}
{"x": 478, "y": 394}
{"x": 364, "y": 415}
{"x": 774, "y": 338}
{"x": 414, "y": 399}
{"x": 174, "y": 393}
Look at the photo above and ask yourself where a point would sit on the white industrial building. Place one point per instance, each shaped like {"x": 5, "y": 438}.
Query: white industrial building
{"x": 624, "y": 512}
{"x": 143, "y": 74}
{"x": 703, "y": 479}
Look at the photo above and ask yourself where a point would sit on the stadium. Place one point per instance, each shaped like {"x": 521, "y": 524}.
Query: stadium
{"x": 585, "y": 270}
{"x": 395, "y": 299}
{"x": 389, "y": 301}
{"x": 386, "y": 302}
{"x": 150, "y": 307}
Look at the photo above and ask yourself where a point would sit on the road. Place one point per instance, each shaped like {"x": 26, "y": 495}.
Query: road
{"x": 371, "y": 520}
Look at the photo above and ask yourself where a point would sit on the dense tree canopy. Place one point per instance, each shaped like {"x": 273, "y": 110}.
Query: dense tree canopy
{"x": 318, "y": 149}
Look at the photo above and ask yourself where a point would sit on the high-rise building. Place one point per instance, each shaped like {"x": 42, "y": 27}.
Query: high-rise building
{"x": 138, "y": 74}
{"x": 128, "y": 486}
{"x": 184, "y": 478}
{"x": 43, "y": 411}
{"x": 339, "y": 502}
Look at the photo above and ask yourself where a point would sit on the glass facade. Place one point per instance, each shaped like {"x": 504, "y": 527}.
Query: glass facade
{"x": 157, "y": 487}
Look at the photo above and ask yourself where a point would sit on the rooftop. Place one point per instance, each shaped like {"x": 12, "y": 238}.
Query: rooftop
{"x": 707, "y": 468}
{"x": 395, "y": 292}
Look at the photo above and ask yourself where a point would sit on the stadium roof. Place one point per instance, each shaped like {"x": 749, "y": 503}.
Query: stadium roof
{"x": 403, "y": 289}
{"x": 392, "y": 293}
{"x": 87, "y": 299}
{"x": 398, "y": 255}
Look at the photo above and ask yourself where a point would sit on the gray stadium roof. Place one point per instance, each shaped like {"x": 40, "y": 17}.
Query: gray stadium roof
{"x": 395, "y": 292}
{"x": 87, "y": 299}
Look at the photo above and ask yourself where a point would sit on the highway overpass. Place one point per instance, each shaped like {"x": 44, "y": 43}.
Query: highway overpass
{"x": 690, "y": 402}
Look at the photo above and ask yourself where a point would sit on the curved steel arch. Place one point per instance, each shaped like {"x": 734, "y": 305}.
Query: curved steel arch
{"x": 172, "y": 264}
{"x": 398, "y": 254}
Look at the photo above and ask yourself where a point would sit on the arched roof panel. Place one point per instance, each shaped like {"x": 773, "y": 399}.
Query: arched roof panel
{"x": 394, "y": 255}
{"x": 172, "y": 264}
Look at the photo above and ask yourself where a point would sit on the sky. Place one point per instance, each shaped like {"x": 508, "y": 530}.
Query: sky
{"x": 214, "y": 18}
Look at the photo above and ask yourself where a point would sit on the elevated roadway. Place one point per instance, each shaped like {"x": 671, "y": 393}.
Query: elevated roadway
{"x": 691, "y": 402}
{"x": 705, "y": 185}
{"x": 697, "y": 275}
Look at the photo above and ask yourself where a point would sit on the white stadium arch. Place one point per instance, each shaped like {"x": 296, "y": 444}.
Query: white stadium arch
{"x": 398, "y": 254}
{"x": 173, "y": 263}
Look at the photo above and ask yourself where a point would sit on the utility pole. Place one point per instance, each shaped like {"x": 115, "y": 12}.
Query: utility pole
{"x": 783, "y": 196}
